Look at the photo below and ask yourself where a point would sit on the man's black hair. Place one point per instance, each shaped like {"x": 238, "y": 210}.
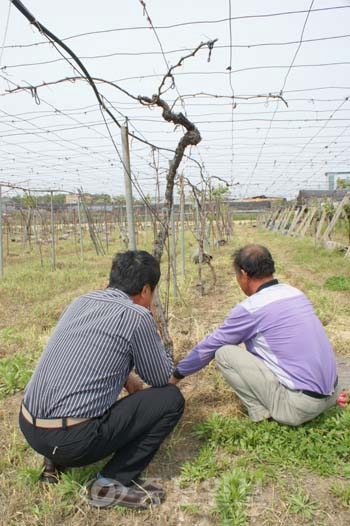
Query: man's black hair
{"x": 255, "y": 260}
{"x": 132, "y": 270}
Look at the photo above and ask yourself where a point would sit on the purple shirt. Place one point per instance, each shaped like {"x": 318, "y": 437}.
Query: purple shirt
{"x": 278, "y": 325}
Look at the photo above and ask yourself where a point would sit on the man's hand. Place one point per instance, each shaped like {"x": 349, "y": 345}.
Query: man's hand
{"x": 343, "y": 399}
{"x": 133, "y": 384}
{"x": 173, "y": 380}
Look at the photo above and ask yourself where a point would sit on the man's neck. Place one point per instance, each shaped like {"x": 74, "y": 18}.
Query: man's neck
{"x": 268, "y": 283}
{"x": 258, "y": 284}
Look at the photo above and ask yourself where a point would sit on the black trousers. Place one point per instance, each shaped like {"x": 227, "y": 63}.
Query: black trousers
{"x": 131, "y": 430}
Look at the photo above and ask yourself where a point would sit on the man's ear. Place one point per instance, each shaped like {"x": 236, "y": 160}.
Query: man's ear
{"x": 146, "y": 289}
{"x": 143, "y": 297}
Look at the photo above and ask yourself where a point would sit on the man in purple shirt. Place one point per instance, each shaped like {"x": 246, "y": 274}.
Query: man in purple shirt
{"x": 287, "y": 371}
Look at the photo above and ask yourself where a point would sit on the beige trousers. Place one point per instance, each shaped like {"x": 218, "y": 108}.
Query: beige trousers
{"x": 262, "y": 394}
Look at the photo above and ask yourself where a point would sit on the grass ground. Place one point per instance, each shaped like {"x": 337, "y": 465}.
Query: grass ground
{"x": 217, "y": 466}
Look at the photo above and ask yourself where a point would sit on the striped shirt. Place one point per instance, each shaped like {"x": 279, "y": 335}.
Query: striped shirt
{"x": 99, "y": 339}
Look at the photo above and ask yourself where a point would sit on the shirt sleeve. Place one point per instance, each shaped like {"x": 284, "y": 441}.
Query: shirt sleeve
{"x": 152, "y": 360}
{"x": 237, "y": 328}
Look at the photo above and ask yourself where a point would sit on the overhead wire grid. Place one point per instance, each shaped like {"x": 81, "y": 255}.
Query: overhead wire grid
{"x": 52, "y": 133}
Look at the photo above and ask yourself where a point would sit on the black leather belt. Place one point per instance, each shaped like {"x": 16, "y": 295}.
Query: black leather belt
{"x": 318, "y": 395}
{"x": 314, "y": 395}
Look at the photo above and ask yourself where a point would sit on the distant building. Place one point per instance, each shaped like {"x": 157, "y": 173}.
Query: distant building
{"x": 334, "y": 176}
{"x": 306, "y": 196}
{"x": 71, "y": 199}
{"x": 256, "y": 204}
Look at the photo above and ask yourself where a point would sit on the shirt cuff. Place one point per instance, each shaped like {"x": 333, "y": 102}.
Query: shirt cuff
{"x": 177, "y": 375}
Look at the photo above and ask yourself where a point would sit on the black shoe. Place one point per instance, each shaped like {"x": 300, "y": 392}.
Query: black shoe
{"x": 101, "y": 495}
{"x": 51, "y": 472}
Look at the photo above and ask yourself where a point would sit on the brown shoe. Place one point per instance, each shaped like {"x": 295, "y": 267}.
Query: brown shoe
{"x": 51, "y": 472}
{"x": 149, "y": 486}
{"x": 99, "y": 495}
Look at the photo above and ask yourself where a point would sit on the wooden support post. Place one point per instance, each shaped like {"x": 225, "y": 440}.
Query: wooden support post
{"x": 173, "y": 250}
{"x": 335, "y": 218}
{"x": 320, "y": 224}
{"x": 53, "y": 242}
{"x": 128, "y": 187}
{"x": 308, "y": 221}
{"x": 280, "y": 219}
{"x": 295, "y": 221}
{"x": 182, "y": 223}
{"x": 289, "y": 212}
{"x": 270, "y": 223}
{"x": 303, "y": 219}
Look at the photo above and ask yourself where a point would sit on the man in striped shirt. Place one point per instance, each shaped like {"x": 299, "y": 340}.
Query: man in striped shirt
{"x": 70, "y": 412}
{"x": 287, "y": 371}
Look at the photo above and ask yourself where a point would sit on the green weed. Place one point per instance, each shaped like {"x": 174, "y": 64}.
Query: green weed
{"x": 15, "y": 372}
{"x": 337, "y": 283}
{"x": 28, "y": 477}
{"x": 205, "y": 466}
{"x": 13, "y": 450}
{"x": 11, "y": 335}
{"x": 300, "y": 503}
{"x": 342, "y": 492}
{"x": 232, "y": 497}
{"x": 78, "y": 476}
{"x": 41, "y": 510}
{"x": 192, "y": 509}
{"x": 69, "y": 489}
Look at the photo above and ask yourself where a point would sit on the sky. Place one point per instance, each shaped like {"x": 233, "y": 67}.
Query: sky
{"x": 270, "y": 98}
